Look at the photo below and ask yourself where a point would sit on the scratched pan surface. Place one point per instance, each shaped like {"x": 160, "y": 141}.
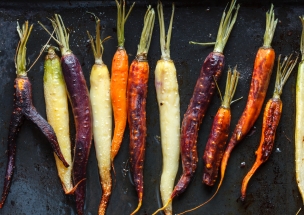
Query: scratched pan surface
{"x": 36, "y": 188}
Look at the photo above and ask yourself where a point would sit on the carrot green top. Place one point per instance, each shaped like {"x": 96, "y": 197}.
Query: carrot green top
{"x": 302, "y": 38}
{"x": 121, "y": 20}
{"x": 62, "y": 34}
{"x": 225, "y": 28}
{"x": 146, "y": 33}
{"x": 271, "y": 24}
{"x": 24, "y": 34}
{"x": 283, "y": 71}
{"x": 164, "y": 45}
{"x": 231, "y": 83}
{"x": 97, "y": 47}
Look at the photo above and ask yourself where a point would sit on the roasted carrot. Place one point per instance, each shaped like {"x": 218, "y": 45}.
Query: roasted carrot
{"x": 203, "y": 92}
{"x": 218, "y": 136}
{"x": 169, "y": 111}
{"x": 136, "y": 105}
{"x": 80, "y": 101}
{"x": 102, "y": 117}
{"x": 56, "y": 102}
{"x": 119, "y": 79}
{"x": 259, "y": 83}
{"x": 23, "y": 108}
{"x": 299, "y": 131}
{"x": 271, "y": 119}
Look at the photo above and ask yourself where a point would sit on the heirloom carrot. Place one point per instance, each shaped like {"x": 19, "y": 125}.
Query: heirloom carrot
{"x": 299, "y": 131}
{"x": 80, "y": 102}
{"x": 169, "y": 111}
{"x": 203, "y": 92}
{"x": 259, "y": 83}
{"x": 218, "y": 136}
{"x": 119, "y": 79}
{"x": 271, "y": 119}
{"x": 102, "y": 117}
{"x": 136, "y": 105}
{"x": 56, "y": 102}
{"x": 23, "y": 108}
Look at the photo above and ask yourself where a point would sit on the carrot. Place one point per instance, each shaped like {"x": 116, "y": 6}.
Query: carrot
{"x": 218, "y": 136}
{"x": 136, "y": 105}
{"x": 56, "y": 102}
{"x": 271, "y": 119}
{"x": 80, "y": 101}
{"x": 259, "y": 83}
{"x": 23, "y": 108}
{"x": 119, "y": 80}
{"x": 102, "y": 117}
{"x": 169, "y": 111}
{"x": 203, "y": 92}
{"x": 299, "y": 132}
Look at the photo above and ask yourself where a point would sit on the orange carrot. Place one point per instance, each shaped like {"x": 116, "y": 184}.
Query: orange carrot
{"x": 119, "y": 78}
{"x": 271, "y": 119}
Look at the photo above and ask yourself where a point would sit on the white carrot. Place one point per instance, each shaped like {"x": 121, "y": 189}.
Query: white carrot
{"x": 56, "y": 101}
{"x": 299, "y": 131}
{"x": 169, "y": 107}
{"x": 102, "y": 118}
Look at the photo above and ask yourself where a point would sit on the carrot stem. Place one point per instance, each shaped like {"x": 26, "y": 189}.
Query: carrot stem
{"x": 146, "y": 34}
{"x": 271, "y": 24}
{"x": 165, "y": 44}
{"x": 24, "y": 34}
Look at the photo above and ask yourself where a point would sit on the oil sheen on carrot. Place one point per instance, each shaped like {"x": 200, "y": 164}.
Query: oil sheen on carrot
{"x": 136, "y": 105}
{"x": 119, "y": 79}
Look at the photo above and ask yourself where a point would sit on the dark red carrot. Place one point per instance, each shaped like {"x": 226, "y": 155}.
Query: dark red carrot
{"x": 23, "y": 108}
{"x": 259, "y": 83}
{"x": 203, "y": 92}
{"x": 136, "y": 105}
{"x": 219, "y": 132}
{"x": 271, "y": 119}
{"x": 79, "y": 98}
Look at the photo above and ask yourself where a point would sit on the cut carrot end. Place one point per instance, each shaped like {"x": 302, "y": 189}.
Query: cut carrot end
{"x": 138, "y": 207}
{"x": 164, "y": 207}
{"x": 72, "y": 191}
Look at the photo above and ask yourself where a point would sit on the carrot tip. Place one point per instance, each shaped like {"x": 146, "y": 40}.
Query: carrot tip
{"x": 72, "y": 191}
{"x": 138, "y": 207}
{"x": 163, "y": 208}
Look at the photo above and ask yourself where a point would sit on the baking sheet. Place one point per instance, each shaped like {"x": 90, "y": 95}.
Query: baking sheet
{"x": 36, "y": 188}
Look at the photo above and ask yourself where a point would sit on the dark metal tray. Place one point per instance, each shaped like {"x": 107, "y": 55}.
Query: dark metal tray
{"x": 36, "y": 188}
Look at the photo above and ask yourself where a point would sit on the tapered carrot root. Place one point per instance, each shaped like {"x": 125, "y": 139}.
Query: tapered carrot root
{"x": 119, "y": 79}
{"x": 259, "y": 84}
{"x": 136, "y": 105}
{"x": 56, "y": 101}
{"x": 219, "y": 132}
{"x": 102, "y": 117}
{"x": 271, "y": 119}
{"x": 169, "y": 111}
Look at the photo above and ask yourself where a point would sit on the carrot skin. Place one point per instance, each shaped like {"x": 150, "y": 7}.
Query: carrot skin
{"x": 203, "y": 91}
{"x": 215, "y": 146}
{"x": 136, "y": 100}
{"x": 259, "y": 84}
{"x": 17, "y": 119}
{"x": 79, "y": 98}
{"x": 119, "y": 80}
{"x": 271, "y": 119}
